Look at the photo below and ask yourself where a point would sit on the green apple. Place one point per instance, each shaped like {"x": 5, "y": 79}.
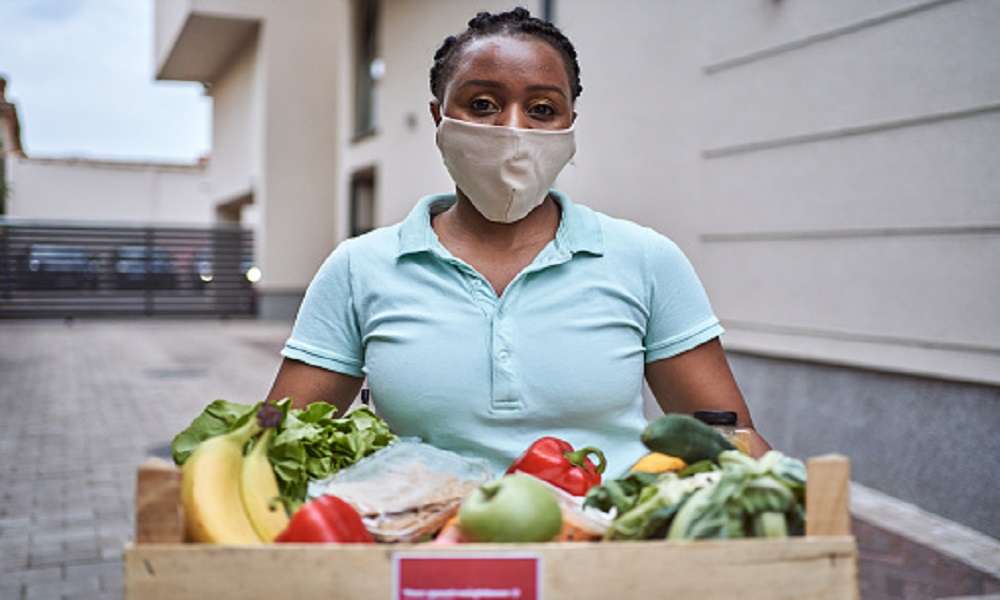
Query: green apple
{"x": 515, "y": 508}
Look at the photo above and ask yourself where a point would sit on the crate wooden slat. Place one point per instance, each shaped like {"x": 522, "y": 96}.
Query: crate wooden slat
{"x": 812, "y": 567}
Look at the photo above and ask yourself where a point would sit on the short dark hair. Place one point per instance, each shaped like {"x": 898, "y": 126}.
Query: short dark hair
{"x": 513, "y": 22}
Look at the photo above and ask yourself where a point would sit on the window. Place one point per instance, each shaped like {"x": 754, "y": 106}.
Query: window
{"x": 362, "y": 201}
{"x": 368, "y": 68}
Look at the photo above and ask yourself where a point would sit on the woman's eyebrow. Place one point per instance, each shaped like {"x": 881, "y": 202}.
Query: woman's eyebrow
{"x": 546, "y": 88}
{"x": 482, "y": 83}
{"x": 489, "y": 83}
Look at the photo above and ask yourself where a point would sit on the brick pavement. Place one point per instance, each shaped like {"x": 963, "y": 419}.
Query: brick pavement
{"x": 83, "y": 405}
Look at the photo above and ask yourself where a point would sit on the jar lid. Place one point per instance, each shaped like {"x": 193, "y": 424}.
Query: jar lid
{"x": 716, "y": 417}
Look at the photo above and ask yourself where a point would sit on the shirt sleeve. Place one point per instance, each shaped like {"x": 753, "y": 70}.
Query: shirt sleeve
{"x": 680, "y": 315}
{"x": 326, "y": 332}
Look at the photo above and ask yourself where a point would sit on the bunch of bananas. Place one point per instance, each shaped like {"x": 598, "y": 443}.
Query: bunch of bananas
{"x": 229, "y": 498}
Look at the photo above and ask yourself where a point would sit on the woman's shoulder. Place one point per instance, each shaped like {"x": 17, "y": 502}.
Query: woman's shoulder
{"x": 628, "y": 238}
{"x": 383, "y": 239}
{"x": 367, "y": 250}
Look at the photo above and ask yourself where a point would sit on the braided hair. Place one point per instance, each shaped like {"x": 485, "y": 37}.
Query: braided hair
{"x": 513, "y": 22}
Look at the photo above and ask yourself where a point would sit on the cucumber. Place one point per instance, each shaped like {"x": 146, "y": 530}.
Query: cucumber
{"x": 685, "y": 437}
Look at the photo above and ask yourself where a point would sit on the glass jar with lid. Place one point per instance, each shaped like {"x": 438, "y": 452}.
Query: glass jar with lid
{"x": 724, "y": 421}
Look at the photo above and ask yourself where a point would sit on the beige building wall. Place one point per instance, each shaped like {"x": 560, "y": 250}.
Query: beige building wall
{"x": 831, "y": 168}
{"x": 80, "y": 189}
{"x": 235, "y": 126}
{"x": 271, "y": 69}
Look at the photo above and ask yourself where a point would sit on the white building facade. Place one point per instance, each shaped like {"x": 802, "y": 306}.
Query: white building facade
{"x": 78, "y": 189}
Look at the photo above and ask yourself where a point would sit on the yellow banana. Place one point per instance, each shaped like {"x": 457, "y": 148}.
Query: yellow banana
{"x": 259, "y": 488}
{"x": 210, "y": 490}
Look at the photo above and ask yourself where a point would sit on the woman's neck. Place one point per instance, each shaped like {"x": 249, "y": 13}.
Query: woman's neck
{"x": 464, "y": 222}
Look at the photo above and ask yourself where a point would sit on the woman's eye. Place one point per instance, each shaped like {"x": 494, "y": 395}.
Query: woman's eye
{"x": 482, "y": 105}
{"x": 543, "y": 110}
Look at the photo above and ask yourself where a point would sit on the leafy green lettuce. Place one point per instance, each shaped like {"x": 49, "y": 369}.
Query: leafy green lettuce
{"x": 218, "y": 418}
{"x": 310, "y": 443}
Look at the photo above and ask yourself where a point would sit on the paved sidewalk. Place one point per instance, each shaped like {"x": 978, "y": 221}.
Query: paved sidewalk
{"x": 83, "y": 404}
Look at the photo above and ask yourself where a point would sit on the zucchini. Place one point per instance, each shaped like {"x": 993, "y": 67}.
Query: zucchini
{"x": 686, "y": 438}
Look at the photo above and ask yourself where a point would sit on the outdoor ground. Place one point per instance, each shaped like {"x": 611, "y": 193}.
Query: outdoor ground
{"x": 83, "y": 403}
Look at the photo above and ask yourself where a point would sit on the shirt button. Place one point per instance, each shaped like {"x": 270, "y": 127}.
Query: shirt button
{"x": 503, "y": 355}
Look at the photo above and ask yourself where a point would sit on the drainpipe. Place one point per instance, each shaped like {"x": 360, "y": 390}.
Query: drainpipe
{"x": 549, "y": 10}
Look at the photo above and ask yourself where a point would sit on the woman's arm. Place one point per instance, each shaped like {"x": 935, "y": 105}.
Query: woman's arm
{"x": 307, "y": 384}
{"x": 700, "y": 379}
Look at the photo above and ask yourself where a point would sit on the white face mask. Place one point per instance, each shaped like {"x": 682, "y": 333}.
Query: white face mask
{"x": 504, "y": 171}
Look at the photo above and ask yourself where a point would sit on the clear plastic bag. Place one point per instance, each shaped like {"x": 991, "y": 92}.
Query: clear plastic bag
{"x": 407, "y": 491}
{"x": 579, "y": 523}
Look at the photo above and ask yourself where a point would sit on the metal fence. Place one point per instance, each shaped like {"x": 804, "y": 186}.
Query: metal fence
{"x": 69, "y": 270}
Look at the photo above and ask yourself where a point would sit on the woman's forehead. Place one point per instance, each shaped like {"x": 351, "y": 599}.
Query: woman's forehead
{"x": 505, "y": 58}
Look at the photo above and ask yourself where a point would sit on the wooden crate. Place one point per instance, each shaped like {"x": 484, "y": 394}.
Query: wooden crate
{"x": 823, "y": 564}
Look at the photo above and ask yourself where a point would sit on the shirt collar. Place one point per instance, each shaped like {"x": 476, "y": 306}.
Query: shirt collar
{"x": 579, "y": 228}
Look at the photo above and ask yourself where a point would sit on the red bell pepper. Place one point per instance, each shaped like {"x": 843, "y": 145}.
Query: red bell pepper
{"x": 553, "y": 460}
{"x": 325, "y": 519}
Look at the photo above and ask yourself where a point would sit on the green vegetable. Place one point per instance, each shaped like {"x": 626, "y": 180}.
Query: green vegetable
{"x": 620, "y": 494}
{"x": 749, "y": 499}
{"x": 684, "y": 437}
{"x": 708, "y": 513}
{"x": 734, "y": 496}
{"x": 310, "y": 443}
{"x": 702, "y": 466}
{"x": 656, "y": 506}
{"x": 218, "y": 418}
{"x": 770, "y": 524}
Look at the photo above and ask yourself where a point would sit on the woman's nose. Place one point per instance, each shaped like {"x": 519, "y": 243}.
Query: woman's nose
{"x": 514, "y": 117}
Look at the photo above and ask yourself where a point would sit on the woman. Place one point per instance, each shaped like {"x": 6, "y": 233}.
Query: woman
{"x": 504, "y": 312}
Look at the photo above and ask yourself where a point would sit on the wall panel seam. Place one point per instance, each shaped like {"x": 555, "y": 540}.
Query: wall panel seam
{"x": 831, "y": 234}
{"x": 848, "y": 336}
{"x": 848, "y": 131}
{"x": 815, "y": 38}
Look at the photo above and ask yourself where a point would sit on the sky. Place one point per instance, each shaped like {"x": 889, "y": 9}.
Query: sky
{"x": 81, "y": 75}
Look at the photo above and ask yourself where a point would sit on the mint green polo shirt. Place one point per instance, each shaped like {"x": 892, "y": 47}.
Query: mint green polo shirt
{"x": 560, "y": 353}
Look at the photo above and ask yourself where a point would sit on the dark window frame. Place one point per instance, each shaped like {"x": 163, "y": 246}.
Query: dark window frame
{"x": 362, "y": 178}
{"x": 366, "y": 25}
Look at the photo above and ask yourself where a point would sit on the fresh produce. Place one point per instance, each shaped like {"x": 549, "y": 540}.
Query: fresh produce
{"x": 553, "y": 460}
{"x": 308, "y": 443}
{"x": 620, "y": 494}
{"x": 218, "y": 418}
{"x": 735, "y": 497}
{"x": 656, "y": 462}
{"x": 311, "y": 444}
{"x": 210, "y": 489}
{"x": 324, "y": 520}
{"x": 751, "y": 498}
{"x": 515, "y": 508}
{"x": 655, "y": 507}
{"x": 684, "y": 437}
{"x": 259, "y": 490}
{"x": 450, "y": 534}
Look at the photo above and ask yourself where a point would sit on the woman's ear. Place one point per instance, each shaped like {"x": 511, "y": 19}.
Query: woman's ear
{"x": 435, "y": 107}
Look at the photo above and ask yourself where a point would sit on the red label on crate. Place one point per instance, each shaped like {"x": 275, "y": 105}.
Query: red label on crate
{"x": 465, "y": 577}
